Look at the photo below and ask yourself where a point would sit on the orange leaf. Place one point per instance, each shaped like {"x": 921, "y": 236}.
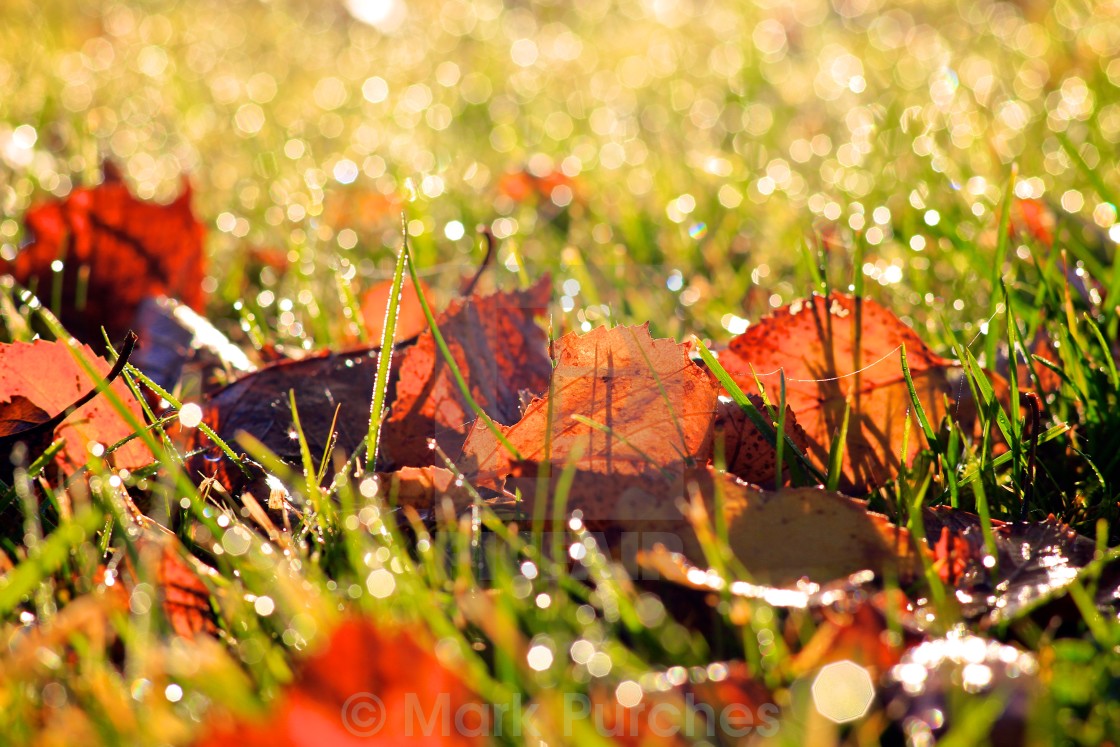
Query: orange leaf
{"x": 651, "y": 407}
{"x": 500, "y": 351}
{"x": 410, "y": 315}
{"x": 814, "y": 342}
{"x": 116, "y": 251}
{"x": 46, "y": 376}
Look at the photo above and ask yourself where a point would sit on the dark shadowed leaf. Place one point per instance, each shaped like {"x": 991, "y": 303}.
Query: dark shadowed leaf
{"x": 259, "y": 404}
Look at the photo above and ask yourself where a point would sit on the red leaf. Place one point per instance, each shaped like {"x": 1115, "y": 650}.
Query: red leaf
{"x": 814, "y": 342}
{"x": 116, "y": 251}
{"x": 46, "y": 376}
{"x": 499, "y": 349}
{"x": 332, "y": 700}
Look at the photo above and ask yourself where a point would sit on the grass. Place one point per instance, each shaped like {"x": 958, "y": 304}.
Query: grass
{"x": 724, "y": 159}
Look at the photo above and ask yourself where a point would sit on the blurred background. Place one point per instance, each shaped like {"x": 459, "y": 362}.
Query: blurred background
{"x": 684, "y": 161}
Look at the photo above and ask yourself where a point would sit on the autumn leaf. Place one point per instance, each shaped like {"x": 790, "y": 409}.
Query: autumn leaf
{"x": 499, "y": 349}
{"x": 410, "y": 314}
{"x": 115, "y": 252}
{"x": 747, "y": 453}
{"x": 1034, "y": 563}
{"x": 814, "y": 342}
{"x": 332, "y": 393}
{"x": 620, "y": 403}
{"x": 364, "y": 671}
{"x": 44, "y": 378}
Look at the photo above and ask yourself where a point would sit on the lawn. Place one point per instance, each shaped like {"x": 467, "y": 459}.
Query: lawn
{"x": 224, "y": 547}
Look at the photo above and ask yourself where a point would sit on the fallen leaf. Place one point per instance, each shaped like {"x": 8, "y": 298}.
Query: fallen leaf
{"x": 44, "y": 377}
{"x": 1034, "y": 562}
{"x": 779, "y": 537}
{"x": 116, "y": 251}
{"x": 783, "y": 535}
{"x": 410, "y": 314}
{"x": 365, "y": 674}
{"x": 747, "y": 453}
{"x": 620, "y": 404}
{"x": 814, "y": 342}
{"x": 258, "y": 404}
{"x": 499, "y": 349}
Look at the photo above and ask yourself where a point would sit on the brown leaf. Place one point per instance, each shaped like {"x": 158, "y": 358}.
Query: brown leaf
{"x": 423, "y": 489}
{"x": 44, "y": 375}
{"x": 779, "y": 537}
{"x": 814, "y": 342}
{"x": 116, "y": 251}
{"x": 500, "y": 351}
{"x": 332, "y": 696}
{"x": 747, "y": 453}
{"x": 652, "y": 409}
{"x": 258, "y": 404}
